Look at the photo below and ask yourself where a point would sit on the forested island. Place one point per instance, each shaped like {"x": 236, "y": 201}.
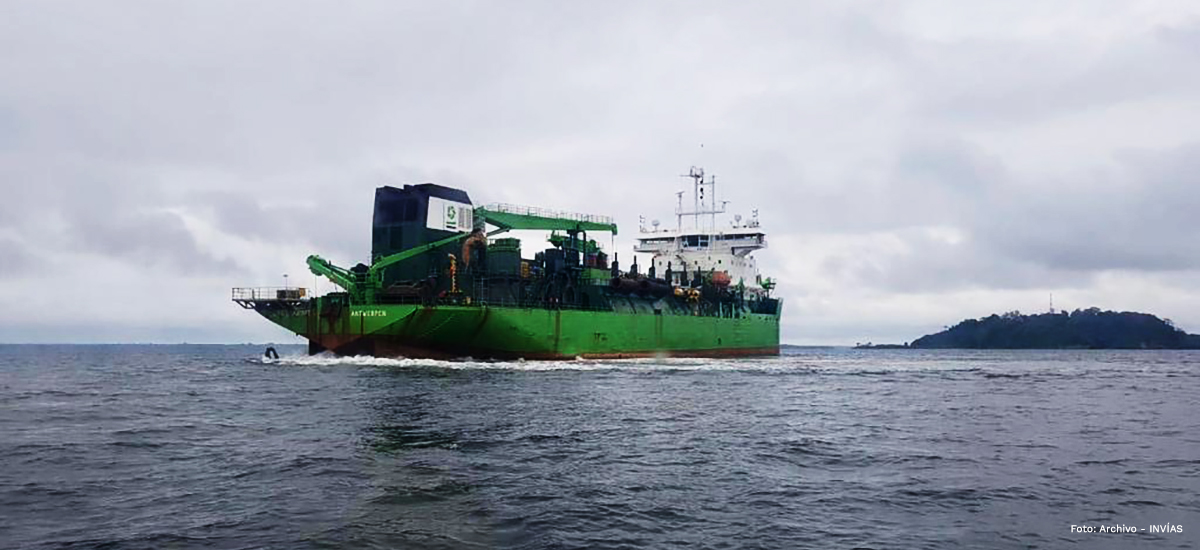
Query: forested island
{"x": 1080, "y": 329}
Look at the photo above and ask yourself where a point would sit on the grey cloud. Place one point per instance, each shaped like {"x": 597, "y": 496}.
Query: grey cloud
{"x": 274, "y": 121}
{"x": 932, "y": 265}
{"x": 88, "y": 207}
{"x": 1000, "y": 82}
{"x": 1142, "y": 217}
{"x": 1139, "y": 216}
{"x": 218, "y": 81}
{"x": 16, "y": 259}
{"x": 1184, "y": 36}
{"x": 338, "y": 227}
{"x": 10, "y": 129}
{"x": 154, "y": 239}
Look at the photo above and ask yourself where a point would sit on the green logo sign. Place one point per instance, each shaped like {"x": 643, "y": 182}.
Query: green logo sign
{"x": 450, "y": 212}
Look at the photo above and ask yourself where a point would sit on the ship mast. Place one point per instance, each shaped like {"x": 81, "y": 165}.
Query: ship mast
{"x": 701, "y": 207}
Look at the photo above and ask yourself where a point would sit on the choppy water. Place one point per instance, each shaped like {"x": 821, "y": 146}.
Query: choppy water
{"x": 209, "y": 446}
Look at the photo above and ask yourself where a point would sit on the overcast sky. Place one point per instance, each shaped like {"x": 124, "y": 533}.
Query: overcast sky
{"x": 914, "y": 163}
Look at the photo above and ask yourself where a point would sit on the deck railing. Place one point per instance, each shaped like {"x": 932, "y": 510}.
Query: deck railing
{"x": 546, "y": 213}
{"x": 248, "y": 296}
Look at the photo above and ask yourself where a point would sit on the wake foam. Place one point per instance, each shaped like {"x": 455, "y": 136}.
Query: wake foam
{"x": 786, "y": 364}
{"x": 578, "y": 364}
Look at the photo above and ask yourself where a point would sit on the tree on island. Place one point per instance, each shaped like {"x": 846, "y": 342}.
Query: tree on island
{"x": 1088, "y": 328}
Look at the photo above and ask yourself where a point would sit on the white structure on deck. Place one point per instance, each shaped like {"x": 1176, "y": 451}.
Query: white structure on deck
{"x": 704, "y": 245}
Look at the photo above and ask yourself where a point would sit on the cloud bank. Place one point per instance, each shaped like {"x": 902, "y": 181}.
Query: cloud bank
{"x": 914, "y": 163}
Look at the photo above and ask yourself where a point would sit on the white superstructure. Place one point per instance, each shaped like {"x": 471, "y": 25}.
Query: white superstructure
{"x": 705, "y": 245}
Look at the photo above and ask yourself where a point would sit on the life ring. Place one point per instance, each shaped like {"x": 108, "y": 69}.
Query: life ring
{"x": 271, "y": 353}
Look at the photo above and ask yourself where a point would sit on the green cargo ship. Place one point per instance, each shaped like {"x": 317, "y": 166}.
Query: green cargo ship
{"x": 441, "y": 284}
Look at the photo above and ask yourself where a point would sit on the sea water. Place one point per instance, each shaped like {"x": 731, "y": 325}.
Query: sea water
{"x": 215, "y": 447}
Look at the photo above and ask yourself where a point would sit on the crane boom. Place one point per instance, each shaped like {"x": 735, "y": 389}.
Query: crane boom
{"x": 339, "y": 276}
{"x": 376, "y": 271}
{"x": 509, "y": 216}
{"x": 364, "y": 284}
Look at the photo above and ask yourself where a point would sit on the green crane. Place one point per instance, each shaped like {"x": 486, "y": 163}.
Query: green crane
{"x": 364, "y": 284}
{"x": 507, "y": 216}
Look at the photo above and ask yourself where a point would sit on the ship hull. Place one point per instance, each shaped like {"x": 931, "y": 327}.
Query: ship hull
{"x": 519, "y": 333}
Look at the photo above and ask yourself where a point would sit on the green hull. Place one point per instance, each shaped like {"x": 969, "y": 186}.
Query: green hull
{"x": 512, "y": 332}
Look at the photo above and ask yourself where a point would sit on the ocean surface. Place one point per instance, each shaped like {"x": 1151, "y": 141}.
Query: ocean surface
{"x": 122, "y": 447}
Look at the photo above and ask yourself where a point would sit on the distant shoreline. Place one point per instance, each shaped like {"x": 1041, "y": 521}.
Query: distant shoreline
{"x": 1086, "y": 329}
